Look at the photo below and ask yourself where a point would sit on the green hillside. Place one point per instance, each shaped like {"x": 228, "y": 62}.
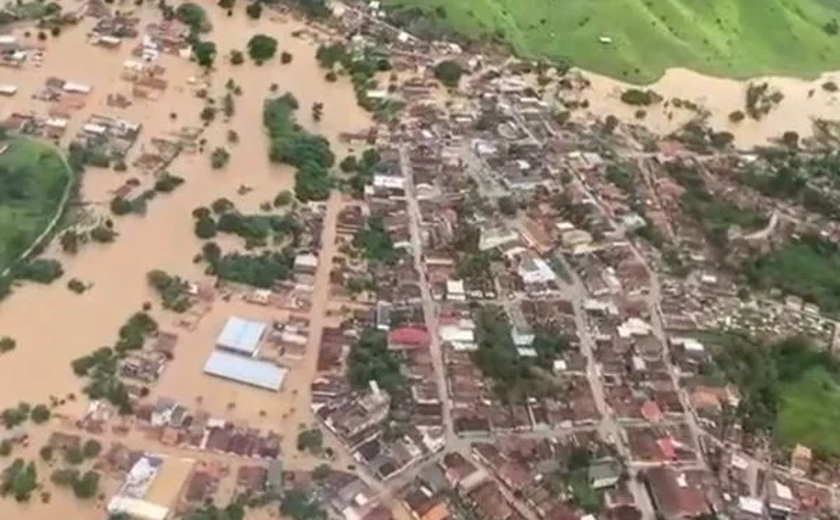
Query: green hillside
{"x": 736, "y": 38}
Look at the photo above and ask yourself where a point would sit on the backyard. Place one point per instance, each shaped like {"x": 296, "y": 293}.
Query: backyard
{"x": 33, "y": 178}
{"x": 643, "y": 38}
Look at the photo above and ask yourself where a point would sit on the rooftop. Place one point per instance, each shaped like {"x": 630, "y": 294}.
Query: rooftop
{"x": 261, "y": 374}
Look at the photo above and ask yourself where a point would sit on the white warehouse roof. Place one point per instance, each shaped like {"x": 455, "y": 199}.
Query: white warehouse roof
{"x": 241, "y": 336}
{"x": 261, "y": 374}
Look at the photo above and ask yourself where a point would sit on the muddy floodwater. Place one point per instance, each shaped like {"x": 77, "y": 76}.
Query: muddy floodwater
{"x": 803, "y": 101}
{"x": 53, "y": 326}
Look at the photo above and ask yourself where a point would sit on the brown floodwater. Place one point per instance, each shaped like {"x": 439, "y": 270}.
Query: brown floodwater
{"x": 53, "y": 325}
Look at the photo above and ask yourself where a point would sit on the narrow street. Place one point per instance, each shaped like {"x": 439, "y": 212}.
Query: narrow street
{"x": 429, "y": 311}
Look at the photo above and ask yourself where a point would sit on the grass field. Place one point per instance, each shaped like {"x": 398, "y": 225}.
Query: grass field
{"x": 809, "y": 412}
{"x": 735, "y": 38}
{"x": 32, "y": 181}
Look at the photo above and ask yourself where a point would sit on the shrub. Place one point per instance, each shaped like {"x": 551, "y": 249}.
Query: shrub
{"x": 737, "y": 116}
{"x": 637, "y": 97}
{"x": 46, "y": 453}
{"x": 219, "y": 158}
{"x": 76, "y": 285}
{"x": 830, "y": 86}
{"x": 285, "y": 57}
{"x": 7, "y": 344}
{"x": 237, "y": 58}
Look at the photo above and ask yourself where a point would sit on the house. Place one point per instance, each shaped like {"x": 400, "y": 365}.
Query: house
{"x": 677, "y": 495}
{"x": 604, "y": 473}
{"x": 800, "y": 460}
{"x": 650, "y": 411}
{"x": 408, "y": 338}
{"x": 306, "y": 264}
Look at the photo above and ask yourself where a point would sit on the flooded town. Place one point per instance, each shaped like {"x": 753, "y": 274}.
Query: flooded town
{"x": 289, "y": 260}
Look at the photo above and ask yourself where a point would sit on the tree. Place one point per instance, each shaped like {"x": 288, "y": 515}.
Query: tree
{"x": 64, "y": 477}
{"x": 370, "y": 360}
{"x": 219, "y": 158}
{"x": 226, "y": 4}
{"x": 70, "y": 242}
{"x": 349, "y": 164}
{"x": 192, "y": 15}
{"x": 205, "y": 228}
{"x": 74, "y": 456}
{"x": 86, "y": 486}
{"x": 211, "y": 252}
{"x": 20, "y": 479}
{"x": 254, "y": 10}
{"x": 261, "y": 47}
{"x": 5, "y": 448}
{"x": 91, "y": 448}
{"x": 508, "y": 206}
{"x": 41, "y": 270}
{"x": 321, "y": 472}
{"x": 300, "y": 505}
{"x": 40, "y": 414}
{"x": 311, "y": 440}
{"x": 317, "y": 111}
{"x": 228, "y": 105}
{"x": 236, "y": 57}
{"x": 7, "y": 344}
{"x": 449, "y": 73}
{"x": 46, "y": 453}
{"x": 205, "y": 53}
{"x": 284, "y": 198}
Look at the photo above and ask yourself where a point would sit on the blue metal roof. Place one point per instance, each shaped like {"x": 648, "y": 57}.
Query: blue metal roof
{"x": 262, "y": 374}
{"x": 241, "y": 335}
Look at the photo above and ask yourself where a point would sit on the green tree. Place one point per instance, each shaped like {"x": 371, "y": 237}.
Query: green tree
{"x": 86, "y": 486}
{"x": 261, "y": 47}
{"x": 321, "y": 472}
{"x": 254, "y": 10}
{"x": 219, "y": 158}
{"x": 40, "y": 414}
{"x": 91, "y": 449}
{"x": 205, "y": 53}
{"x": 449, "y": 73}
{"x": 311, "y": 440}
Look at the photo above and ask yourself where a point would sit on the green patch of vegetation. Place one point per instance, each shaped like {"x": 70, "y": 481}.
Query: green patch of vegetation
{"x": 787, "y": 388}
{"x": 41, "y": 270}
{"x": 637, "y": 40}
{"x": 193, "y": 16}
{"x": 173, "y": 291}
{"x": 19, "y": 480}
{"x": 361, "y": 68}
{"x": 15, "y": 416}
{"x": 311, "y": 440}
{"x": 806, "y": 267}
{"x": 375, "y": 243}
{"x": 714, "y": 214}
{"x": 232, "y": 511}
{"x": 514, "y": 377}
{"x": 33, "y": 178}
{"x": 291, "y": 144}
{"x": 261, "y": 48}
{"x": 362, "y": 171}
{"x": 370, "y": 360}
{"x": 261, "y": 270}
